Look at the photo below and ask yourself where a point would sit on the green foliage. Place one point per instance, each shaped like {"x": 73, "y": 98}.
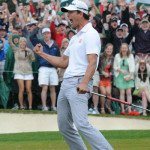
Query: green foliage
{"x": 1, "y": 1}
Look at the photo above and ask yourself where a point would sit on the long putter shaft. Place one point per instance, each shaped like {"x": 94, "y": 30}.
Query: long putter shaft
{"x": 120, "y": 101}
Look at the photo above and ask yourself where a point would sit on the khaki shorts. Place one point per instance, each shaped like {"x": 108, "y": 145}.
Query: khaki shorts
{"x": 96, "y": 79}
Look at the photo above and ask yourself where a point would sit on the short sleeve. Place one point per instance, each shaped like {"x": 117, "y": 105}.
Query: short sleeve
{"x": 92, "y": 43}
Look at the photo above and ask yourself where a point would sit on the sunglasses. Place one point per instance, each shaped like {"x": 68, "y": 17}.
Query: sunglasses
{"x": 123, "y": 62}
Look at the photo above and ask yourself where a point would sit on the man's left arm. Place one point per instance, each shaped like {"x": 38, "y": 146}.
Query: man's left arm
{"x": 92, "y": 62}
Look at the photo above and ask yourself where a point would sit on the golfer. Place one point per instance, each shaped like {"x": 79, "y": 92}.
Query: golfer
{"x": 80, "y": 61}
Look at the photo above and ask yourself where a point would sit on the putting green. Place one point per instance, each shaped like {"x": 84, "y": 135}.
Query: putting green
{"x": 120, "y": 140}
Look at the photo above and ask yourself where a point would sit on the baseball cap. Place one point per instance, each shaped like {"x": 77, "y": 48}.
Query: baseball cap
{"x": 32, "y": 22}
{"x": 46, "y": 30}
{"x": 124, "y": 25}
{"x": 18, "y": 26}
{"x": 60, "y": 13}
{"x": 63, "y": 23}
{"x": 114, "y": 19}
{"x": 144, "y": 15}
{"x": 137, "y": 17}
{"x": 76, "y": 5}
{"x": 144, "y": 20}
{"x": 119, "y": 29}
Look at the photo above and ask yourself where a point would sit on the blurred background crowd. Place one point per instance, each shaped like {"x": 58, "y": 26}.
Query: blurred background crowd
{"x": 29, "y": 82}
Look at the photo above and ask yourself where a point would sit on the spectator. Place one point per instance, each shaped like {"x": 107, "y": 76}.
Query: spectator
{"x": 59, "y": 34}
{"x": 95, "y": 98}
{"x": 2, "y": 57}
{"x": 70, "y": 34}
{"x": 32, "y": 8}
{"x": 9, "y": 64}
{"x": 23, "y": 69}
{"x": 142, "y": 83}
{"x": 124, "y": 68}
{"x": 64, "y": 45}
{"x": 125, "y": 28}
{"x": 137, "y": 20}
{"x": 4, "y": 36}
{"x": 97, "y": 24}
{"x": 110, "y": 27}
{"x": 105, "y": 70}
{"x": 142, "y": 37}
{"x": 48, "y": 76}
{"x": 3, "y": 48}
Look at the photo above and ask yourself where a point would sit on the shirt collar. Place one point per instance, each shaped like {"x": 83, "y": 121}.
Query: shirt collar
{"x": 86, "y": 27}
{"x": 51, "y": 43}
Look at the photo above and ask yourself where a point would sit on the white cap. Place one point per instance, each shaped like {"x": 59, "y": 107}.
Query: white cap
{"x": 45, "y": 30}
{"x": 124, "y": 25}
{"x": 32, "y": 21}
{"x": 76, "y": 5}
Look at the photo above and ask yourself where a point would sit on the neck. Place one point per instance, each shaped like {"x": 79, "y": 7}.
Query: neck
{"x": 108, "y": 56}
{"x": 22, "y": 48}
{"x": 82, "y": 24}
{"x": 124, "y": 55}
{"x": 47, "y": 42}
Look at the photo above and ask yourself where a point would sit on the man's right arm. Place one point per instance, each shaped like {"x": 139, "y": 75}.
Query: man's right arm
{"x": 60, "y": 62}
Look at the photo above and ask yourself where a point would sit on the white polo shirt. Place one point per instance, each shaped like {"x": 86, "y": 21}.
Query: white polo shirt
{"x": 86, "y": 41}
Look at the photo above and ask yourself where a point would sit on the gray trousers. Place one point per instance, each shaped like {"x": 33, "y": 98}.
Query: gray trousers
{"x": 72, "y": 109}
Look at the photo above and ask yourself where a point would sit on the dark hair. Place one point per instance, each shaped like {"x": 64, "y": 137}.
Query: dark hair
{"x": 86, "y": 17}
{"x": 144, "y": 74}
{"x": 99, "y": 25}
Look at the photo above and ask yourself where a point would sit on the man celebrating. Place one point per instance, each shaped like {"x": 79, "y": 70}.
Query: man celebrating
{"x": 79, "y": 59}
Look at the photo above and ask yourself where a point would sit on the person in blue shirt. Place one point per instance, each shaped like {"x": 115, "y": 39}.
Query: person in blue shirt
{"x": 48, "y": 76}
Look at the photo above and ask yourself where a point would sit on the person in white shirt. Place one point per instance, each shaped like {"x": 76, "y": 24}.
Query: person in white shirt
{"x": 80, "y": 61}
{"x": 142, "y": 83}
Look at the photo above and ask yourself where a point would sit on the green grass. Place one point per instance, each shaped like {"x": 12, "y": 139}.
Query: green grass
{"x": 120, "y": 140}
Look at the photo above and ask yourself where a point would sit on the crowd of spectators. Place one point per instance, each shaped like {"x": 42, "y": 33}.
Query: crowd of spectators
{"x": 124, "y": 66}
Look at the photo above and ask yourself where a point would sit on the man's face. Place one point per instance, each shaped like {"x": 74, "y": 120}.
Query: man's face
{"x": 17, "y": 30}
{"x": 137, "y": 21}
{"x": 62, "y": 29}
{"x": 145, "y": 26}
{"x": 46, "y": 36}
{"x": 74, "y": 18}
{"x": 125, "y": 29}
{"x": 31, "y": 27}
{"x": 3, "y": 33}
{"x": 114, "y": 24}
{"x": 119, "y": 34}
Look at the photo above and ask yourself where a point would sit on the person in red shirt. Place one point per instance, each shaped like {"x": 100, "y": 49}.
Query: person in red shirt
{"x": 58, "y": 33}
{"x": 32, "y": 8}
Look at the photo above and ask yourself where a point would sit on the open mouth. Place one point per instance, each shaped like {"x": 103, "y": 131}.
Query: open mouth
{"x": 71, "y": 21}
